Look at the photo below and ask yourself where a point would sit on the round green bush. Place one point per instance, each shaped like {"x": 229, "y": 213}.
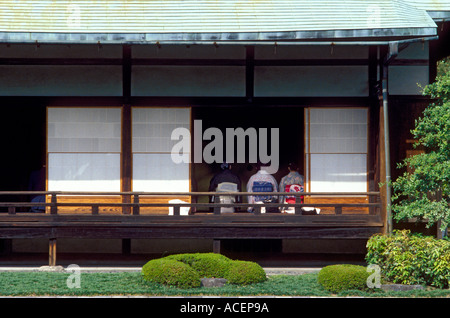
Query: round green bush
{"x": 206, "y": 264}
{"x": 336, "y": 278}
{"x": 245, "y": 272}
{"x": 170, "y": 272}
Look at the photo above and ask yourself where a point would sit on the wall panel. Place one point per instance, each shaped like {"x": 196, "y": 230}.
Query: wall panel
{"x": 320, "y": 81}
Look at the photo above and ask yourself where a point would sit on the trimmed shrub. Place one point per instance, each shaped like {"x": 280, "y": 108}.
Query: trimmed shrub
{"x": 206, "y": 264}
{"x": 337, "y": 278}
{"x": 170, "y": 272}
{"x": 245, "y": 273}
{"x": 411, "y": 259}
{"x": 185, "y": 270}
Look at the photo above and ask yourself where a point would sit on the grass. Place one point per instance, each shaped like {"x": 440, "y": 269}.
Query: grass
{"x": 131, "y": 283}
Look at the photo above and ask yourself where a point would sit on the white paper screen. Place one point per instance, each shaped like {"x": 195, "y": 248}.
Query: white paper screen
{"x": 338, "y": 173}
{"x": 84, "y": 129}
{"x": 338, "y": 130}
{"x": 84, "y": 147}
{"x": 83, "y": 172}
{"x": 337, "y": 145}
{"x": 157, "y": 173}
{"x": 153, "y": 167}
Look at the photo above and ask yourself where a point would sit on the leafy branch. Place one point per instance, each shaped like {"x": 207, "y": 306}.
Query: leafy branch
{"x": 423, "y": 191}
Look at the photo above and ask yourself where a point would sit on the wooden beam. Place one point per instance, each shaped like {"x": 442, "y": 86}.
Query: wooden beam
{"x": 410, "y": 62}
{"x": 250, "y": 73}
{"x": 126, "y": 73}
{"x": 312, "y": 62}
{"x": 191, "y": 62}
{"x": 197, "y": 101}
{"x": 59, "y": 61}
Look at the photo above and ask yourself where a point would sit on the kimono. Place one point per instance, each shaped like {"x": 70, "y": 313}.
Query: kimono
{"x": 261, "y": 175}
{"x": 292, "y": 177}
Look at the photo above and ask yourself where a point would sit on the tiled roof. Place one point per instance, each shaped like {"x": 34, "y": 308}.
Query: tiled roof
{"x": 439, "y": 10}
{"x": 218, "y": 20}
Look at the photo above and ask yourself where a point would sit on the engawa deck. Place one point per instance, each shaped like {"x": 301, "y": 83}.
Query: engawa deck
{"x": 349, "y": 220}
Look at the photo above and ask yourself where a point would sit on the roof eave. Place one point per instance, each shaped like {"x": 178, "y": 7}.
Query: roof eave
{"x": 223, "y": 37}
{"x": 439, "y": 16}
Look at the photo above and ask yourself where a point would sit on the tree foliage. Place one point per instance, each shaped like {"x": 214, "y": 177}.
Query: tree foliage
{"x": 423, "y": 191}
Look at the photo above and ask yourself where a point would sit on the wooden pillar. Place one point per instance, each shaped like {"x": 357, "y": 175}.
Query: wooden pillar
{"x": 250, "y": 73}
{"x": 126, "y": 158}
{"x": 126, "y": 152}
{"x": 217, "y": 208}
{"x": 373, "y": 118}
{"x": 382, "y": 169}
{"x": 126, "y": 169}
{"x": 216, "y": 246}
{"x": 52, "y": 252}
{"x": 126, "y": 73}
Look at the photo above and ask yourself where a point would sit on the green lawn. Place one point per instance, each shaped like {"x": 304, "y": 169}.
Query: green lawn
{"x": 131, "y": 283}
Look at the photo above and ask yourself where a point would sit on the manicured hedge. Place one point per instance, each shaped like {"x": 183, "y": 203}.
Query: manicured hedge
{"x": 337, "y": 278}
{"x": 205, "y": 264}
{"x": 411, "y": 259}
{"x": 170, "y": 272}
{"x": 245, "y": 273}
{"x": 186, "y": 270}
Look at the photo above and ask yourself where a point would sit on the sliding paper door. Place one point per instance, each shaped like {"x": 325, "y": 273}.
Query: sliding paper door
{"x": 153, "y": 167}
{"x": 83, "y": 146}
{"x": 336, "y": 149}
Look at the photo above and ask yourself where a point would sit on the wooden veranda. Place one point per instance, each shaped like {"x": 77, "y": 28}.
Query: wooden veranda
{"x": 135, "y": 218}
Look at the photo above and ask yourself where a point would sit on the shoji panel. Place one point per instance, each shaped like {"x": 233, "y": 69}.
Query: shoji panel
{"x": 337, "y": 149}
{"x": 153, "y": 167}
{"x": 84, "y": 149}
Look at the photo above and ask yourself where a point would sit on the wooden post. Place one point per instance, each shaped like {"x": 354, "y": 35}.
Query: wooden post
{"x": 126, "y": 155}
{"x": 382, "y": 168}
{"x": 250, "y": 73}
{"x": 216, "y": 246}
{"x": 53, "y": 208}
{"x": 298, "y": 210}
{"x": 52, "y": 252}
{"x": 216, "y": 208}
{"x": 136, "y": 209}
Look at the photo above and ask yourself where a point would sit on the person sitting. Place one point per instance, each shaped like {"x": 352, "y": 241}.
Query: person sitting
{"x": 262, "y": 181}
{"x": 292, "y": 182}
{"x": 226, "y": 181}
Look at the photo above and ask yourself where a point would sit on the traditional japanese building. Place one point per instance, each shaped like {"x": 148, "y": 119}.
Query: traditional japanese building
{"x": 94, "y": 91}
